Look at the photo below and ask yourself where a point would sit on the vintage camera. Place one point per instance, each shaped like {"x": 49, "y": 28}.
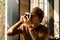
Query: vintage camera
{"x": 27, "y": 14}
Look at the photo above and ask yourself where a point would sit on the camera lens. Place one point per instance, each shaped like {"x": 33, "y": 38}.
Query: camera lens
{"x": 27, "y": 14}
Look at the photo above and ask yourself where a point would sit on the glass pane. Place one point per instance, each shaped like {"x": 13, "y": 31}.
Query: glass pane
{"x": 12, "y": 15}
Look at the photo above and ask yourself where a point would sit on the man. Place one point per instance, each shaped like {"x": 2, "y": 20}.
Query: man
{"x": 30, "y": 28}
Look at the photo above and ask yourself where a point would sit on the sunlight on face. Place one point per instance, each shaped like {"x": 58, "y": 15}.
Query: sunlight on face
{"x": 35, "y": 20}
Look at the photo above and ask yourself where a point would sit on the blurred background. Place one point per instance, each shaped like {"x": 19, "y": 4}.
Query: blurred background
{"x": 2, "y": 19}
{"x": 15, "y": 8}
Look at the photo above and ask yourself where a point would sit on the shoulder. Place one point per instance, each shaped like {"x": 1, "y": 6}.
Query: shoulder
{"x": 42, "y": 28}
{"x": 45, "y": 29}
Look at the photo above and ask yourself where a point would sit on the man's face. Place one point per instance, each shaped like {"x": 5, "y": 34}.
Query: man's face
{"x": 35, "y": 19}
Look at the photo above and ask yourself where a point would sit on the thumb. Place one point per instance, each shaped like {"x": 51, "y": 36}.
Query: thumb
{"x": 21, "y": 18}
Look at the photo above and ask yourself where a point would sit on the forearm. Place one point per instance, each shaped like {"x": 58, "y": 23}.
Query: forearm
{"x": 12, "y": 33}
{"x": 13, "y": 30}
{"x": 15, "y": 26}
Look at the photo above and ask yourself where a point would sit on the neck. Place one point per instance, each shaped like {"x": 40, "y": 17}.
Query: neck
{"x": 34, "y": 25}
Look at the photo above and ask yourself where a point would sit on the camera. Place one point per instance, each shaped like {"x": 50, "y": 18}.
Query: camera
{"x": 27, "y": 14}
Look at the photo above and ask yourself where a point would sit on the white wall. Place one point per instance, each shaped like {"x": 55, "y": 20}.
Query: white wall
{"x": 56, "y": 18}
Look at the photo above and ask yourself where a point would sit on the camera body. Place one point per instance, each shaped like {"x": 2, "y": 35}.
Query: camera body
{"x": 27, "y": 14}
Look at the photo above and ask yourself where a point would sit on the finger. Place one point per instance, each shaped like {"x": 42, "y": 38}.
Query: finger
{"x": 24, "y": 19}
{"x": 21, "y": 19}
{"x": 27, "y": 18}
{"x": 24, "y": 28}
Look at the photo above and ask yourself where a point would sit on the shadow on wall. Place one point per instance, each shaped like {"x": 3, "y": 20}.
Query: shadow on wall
{"x": 51, "y": 17}
{"x": 51, "y": 2}
{"x": 51, "y": 26}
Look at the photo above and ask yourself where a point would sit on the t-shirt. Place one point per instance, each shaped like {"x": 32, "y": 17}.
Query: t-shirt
{"x": 38, "y": 33}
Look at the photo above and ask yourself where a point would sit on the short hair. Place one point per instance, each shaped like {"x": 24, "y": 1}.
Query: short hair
{"x": 38, "y": 12}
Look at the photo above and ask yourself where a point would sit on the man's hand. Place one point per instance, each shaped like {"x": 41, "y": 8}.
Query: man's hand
{"x": 25, "y": 21}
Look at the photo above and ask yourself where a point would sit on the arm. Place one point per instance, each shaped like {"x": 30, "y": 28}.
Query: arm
{"x": 13, "y": 30}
